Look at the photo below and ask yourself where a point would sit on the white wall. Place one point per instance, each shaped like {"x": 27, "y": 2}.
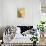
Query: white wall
{"x": 1, "y": 18}
{"x": 9, "y": 12}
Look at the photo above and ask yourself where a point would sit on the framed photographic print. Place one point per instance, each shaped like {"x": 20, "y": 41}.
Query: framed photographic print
{"x": 20, "y": 12}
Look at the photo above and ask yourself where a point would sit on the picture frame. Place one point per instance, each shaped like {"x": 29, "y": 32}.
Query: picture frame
{"x": 20, "y": 12}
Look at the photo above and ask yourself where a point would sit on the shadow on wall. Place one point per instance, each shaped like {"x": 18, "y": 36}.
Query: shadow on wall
{"x": 1, "y": 32}
{"x": 25, "y": 28}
